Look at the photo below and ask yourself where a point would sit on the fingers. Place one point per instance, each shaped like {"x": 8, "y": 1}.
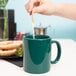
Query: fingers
{"x": 31, "y": 4}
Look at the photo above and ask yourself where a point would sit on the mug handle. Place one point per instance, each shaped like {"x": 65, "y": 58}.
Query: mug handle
{"x": 58, "y": 52}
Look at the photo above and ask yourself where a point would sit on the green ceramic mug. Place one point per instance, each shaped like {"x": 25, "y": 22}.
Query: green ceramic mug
{"x": 37, "y": 53}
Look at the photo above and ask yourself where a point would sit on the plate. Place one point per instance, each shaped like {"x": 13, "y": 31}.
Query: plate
{"x": 14, "y": 60}
{"x": 10, "y": 57}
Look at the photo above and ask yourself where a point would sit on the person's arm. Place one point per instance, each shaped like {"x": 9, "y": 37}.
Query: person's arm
{"x": 67, "y": 10}
{"x": 46, "y": 7}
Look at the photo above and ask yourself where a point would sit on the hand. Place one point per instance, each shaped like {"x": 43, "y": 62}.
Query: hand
{"x": 45, "y": 7}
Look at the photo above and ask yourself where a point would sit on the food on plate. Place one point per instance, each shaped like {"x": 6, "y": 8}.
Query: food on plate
{"x": 19, "y": 51}
{"x": 7, "y": 45}
{"x": 7, "y": 53}
{"x": 8, "y": 48}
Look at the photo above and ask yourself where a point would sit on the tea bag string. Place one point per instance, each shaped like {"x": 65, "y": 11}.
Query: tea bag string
{"x": 33, "y": 24}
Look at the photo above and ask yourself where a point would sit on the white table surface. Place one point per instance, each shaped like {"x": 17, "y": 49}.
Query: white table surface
{"x": 65, "y": 67}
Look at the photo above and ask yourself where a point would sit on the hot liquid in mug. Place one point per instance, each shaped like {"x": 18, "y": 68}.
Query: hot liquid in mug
{"x": 37, "y": 53}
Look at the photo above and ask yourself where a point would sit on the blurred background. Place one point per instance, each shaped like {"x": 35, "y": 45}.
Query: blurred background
{"x": 60, "y": 27}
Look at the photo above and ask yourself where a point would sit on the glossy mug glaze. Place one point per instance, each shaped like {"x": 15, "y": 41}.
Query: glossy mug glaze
{"x": 37, "y": 53}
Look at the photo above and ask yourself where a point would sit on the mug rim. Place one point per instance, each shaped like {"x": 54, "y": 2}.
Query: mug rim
{"x": 45, "y": 37}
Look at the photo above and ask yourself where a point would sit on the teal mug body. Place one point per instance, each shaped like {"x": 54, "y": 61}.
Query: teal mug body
{"x": 37, "y": 53}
